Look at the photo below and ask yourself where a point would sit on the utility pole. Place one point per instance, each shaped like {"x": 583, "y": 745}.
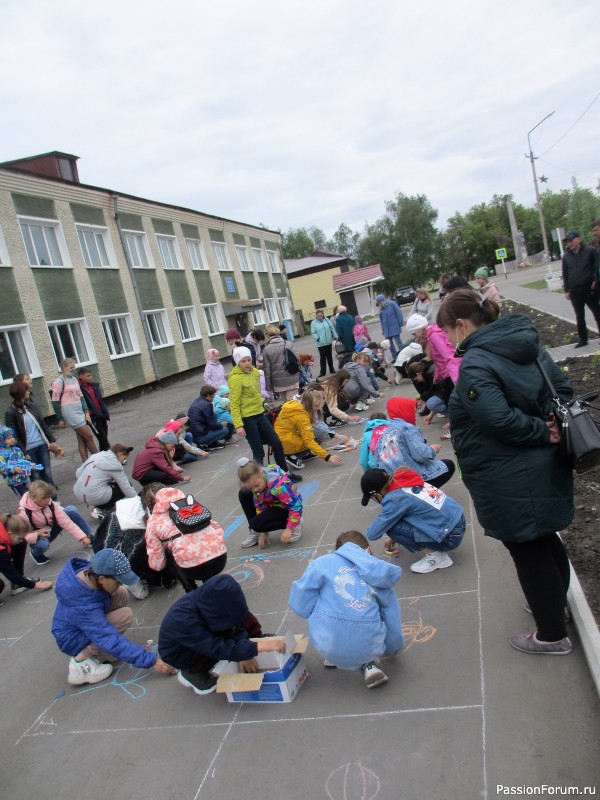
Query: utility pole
{"x": 535, "y": 185}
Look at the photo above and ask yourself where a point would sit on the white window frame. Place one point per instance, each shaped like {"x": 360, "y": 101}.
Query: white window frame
{"x": 242, "y": 254}
{"x": 100, "y": 233}
{"x": 46, "y": 225}
{"x": 222, "y": 257}
{"x": 213, "y": 308}
{"x": 4, "y": 255}
{"x": 284, "y": 306}
{"x": 162, "y": 327}
{"x": 268, "y": 307}
{"x": 191, "y": 318}
{"x": 84, "y": 332}
{"x": 33, "y": 367}
{"x": 258, "y": 316}
{"x": 273, "y": 261}
{"x": 196, "y": 254}
{"x": 109, "y": 337}
{"x": 169, "y": 251}
{"x": 259, "y": 260}
{"x": 141, "y": 245}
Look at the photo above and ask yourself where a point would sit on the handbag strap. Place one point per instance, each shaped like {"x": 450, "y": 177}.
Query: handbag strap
{"x": 555, "y": 398}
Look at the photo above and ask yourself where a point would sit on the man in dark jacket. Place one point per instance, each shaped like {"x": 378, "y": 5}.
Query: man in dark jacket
{"x": 96, "y": 405}
{"x": 205, "y": 428}
{"x": 211, "y": 624}
{"x": 580, "y": 281}
{"x": 344, "y": 326}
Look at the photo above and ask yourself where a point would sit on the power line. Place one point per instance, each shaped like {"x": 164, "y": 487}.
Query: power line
{"x": 571, "y": 172}
{"x": 571, "y": 128}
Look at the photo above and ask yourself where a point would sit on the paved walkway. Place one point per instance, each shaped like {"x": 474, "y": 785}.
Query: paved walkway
{"x": 462, "y": 714}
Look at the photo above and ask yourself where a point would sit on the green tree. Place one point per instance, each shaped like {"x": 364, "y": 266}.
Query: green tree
{"x": 298, "y": 243}
{"x": 345, "y": 241}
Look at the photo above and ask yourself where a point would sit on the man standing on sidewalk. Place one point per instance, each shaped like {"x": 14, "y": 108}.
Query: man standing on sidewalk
{"x": 580, "y": 281}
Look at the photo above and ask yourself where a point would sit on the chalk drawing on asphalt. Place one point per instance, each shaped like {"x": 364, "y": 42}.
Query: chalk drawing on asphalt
{"x": 352, "y": 781}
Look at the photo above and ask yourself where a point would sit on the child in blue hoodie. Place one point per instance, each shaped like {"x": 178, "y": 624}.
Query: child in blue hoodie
{"x": 353, "y": 614}
{"x": 14, "y": 467}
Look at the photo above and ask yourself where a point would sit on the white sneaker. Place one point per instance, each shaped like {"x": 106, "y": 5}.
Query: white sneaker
{"x": 250, "y": 540}
{"x": 373, "y": 675}
{"x": 97, "y": 514}
{"x": 139, "y": 590}
{"x": 370, "y": 400}
{"x": 434, "y": 560}
{"x": 88, "y": 671}
{"x": 361, "y": 407}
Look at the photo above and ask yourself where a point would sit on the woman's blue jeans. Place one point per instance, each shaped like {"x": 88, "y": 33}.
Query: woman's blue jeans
{"x": 42, "y": 544}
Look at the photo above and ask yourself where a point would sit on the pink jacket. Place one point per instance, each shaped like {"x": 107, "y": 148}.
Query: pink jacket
{"x": 42, "y": 519}
{"x": 190, "y": 549}
{"x": 152, "y": 456}
{"x": 441, "y": 352}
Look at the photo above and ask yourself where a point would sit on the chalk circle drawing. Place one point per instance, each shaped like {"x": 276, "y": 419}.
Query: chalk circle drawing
{"x": 251, "y": 575}
{"x": 352, "y": 781}
{"x": 415, "y": 632}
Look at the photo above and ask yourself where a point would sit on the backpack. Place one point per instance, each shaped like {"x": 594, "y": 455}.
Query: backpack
{"x": 188, "y": 515}
{"x": 290, "y": 361}
{"x": 62, "y": 391}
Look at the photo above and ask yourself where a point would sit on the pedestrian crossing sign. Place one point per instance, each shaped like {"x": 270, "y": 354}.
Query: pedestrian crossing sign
{"x": 500, "y": 253}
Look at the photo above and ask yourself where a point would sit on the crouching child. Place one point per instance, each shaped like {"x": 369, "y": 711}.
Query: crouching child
{"x": 353, "y": 614}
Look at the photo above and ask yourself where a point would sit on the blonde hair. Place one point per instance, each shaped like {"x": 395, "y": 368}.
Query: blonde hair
{"x": 425, "y": 292}
{"x": 66, "y": 361}
{"x": 307, "y": 401}
{"x": 357, "y": 356}
{"x": 15, "y": 524}
{"x": 41, "y": 490}
{"x": 272, "y": 330}
{"x": 248, "y": 471}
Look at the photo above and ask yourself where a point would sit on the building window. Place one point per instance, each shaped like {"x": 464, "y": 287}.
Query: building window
{"x": 188, "y": 323}
{"x": 273, "y": 261}
{"x": 44, "y": 242}
{"x": 138, "y": 249}
{"x": 4, "y": 257}
{"x": 214, "y": 323}
{"x": 96, "y": 246}
{"x": 271, "y": 307}
{"x": 242, "y": 254}
{"x": 258, "y": 316}
{"x": 167, "y": 247}
{"x": 71, "y": 339}
{"x": 120, "y": 336}
{"x": 196, "y": 254}
{"x": 158, "y": 327}
{"x": 258, "y": 257}
{"x": 284, "y": 305}
{"x": 17, "y": 353}
{"x": 221, "y": 256}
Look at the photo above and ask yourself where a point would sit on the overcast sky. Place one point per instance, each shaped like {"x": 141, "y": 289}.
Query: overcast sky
{"x": 294, "y": 114}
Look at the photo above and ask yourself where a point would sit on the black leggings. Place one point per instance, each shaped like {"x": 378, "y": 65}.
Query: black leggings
{"x": 188, "y": 576}
{"x": 544, "y": 574}
{"x": 445, "y": 477}
{"x": 273, "y": 519}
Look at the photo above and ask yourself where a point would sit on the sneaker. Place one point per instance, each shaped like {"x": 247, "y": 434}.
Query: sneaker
{"x": 294, "y": 477}
{"x": 580, "y": 344}
{"x": 329, "y": 664}
{"x": 139, "y": 590}
{"x": 529, "y": 643}
{"x": 307, "y": 455}
{"x": 96, "y": 513}
{"x": 39, "y": 560}
{"x": 526, "y": 606}
{"x": 374, "y": 675}
{"x": 337, "y": 423}
{"x": 295, "y": 461}
{"x": 250, "y": 540}
{"x": 446, "y": 436}
{"x": 216, "y": 446}
{"x": 296, "y": 533}
{"x": 434, "y": 560}
{"x": 369, "y": 400}
{"x": 361, "y": 407}
{"x": 87, "y": 671}
{"x": 14, "y": 589}
{"x": 200, "y": 682}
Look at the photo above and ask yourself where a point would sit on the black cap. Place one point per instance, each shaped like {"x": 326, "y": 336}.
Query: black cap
{"x": 573, "y": 235}
{"x": 372, "y": 482}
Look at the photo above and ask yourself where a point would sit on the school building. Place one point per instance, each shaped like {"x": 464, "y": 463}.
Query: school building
{"x": 134, "y": 288}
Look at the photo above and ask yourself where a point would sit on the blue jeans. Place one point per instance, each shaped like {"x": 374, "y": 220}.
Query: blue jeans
{"x": 41, "y": 455}
{"x": 215, "y": 436}
{"x": 42, "y": 544}
{"x": 189, "y": 457}
{"x": 435, "y": 403}
{"x": 406, "y": 534}
{"x": 395, "y": 340}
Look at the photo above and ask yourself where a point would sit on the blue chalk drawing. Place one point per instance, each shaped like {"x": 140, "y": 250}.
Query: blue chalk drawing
{"x": 309, "y": 488}
{"x": 130, "y": 686}
{"x": 233, "y": 526}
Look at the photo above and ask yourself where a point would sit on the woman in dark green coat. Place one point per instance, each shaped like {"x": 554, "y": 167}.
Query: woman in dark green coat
{"x": 506, "y": 438}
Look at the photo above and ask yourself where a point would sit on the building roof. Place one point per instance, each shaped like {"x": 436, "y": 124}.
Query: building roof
{"x": 294, "y": 265}
{"x": 357, "y": 277}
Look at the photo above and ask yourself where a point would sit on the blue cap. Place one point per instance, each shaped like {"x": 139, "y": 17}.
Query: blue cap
{"x": 380, "y": 298}
{"x": 113, "y": 564}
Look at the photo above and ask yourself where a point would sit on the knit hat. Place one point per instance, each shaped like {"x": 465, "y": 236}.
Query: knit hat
{"x": 114, "y": 564}
{"x": 358, "y": 320}
{"x": 380, "y": 298}
{"x": 168, "y": 437}
{"x": 415, "y": 323}
{"x": 212, "y": 352}
{"x": 232, "y": 335}
{"x": 482, "y": 272}
{"x": 241, "y": 352}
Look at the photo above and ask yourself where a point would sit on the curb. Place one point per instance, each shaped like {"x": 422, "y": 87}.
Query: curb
{"x": 586, "y": 627}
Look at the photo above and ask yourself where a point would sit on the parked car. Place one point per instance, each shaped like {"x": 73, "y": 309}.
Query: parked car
{"x": 404, "y": 295}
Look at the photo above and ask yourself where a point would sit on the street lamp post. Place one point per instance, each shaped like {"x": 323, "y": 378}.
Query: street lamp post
{"x": 535, "y": 185}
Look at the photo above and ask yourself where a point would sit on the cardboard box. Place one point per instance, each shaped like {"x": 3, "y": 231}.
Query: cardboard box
{"x": 281, "y": 675}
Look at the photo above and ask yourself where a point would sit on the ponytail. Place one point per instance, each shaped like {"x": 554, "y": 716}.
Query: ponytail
{"x": 466, "y": 304}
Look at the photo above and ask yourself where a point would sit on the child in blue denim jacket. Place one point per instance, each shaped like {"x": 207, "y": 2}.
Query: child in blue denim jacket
{"x": 14, "y": 467}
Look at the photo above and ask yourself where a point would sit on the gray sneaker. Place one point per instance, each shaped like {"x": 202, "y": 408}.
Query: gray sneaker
{"x": 250, "y": 540}
{"x": 528, "y": 643}
{"x": 200, "y": 682}
{"x": 373, "y": 675}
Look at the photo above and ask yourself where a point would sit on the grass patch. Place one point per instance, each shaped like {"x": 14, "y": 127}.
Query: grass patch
{"x": 541, "y": 284}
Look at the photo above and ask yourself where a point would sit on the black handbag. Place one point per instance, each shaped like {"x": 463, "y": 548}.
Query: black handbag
{"x": 340, "y": 347}
{"x": 580, "y": 434}
{"x": 189, "y": 515}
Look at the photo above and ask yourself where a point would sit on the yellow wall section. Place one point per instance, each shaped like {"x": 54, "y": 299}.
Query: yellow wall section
{"x": 306, "y": 289}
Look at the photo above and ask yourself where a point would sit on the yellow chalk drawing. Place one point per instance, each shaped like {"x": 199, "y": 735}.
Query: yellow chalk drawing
{"x": 415, "y": 632}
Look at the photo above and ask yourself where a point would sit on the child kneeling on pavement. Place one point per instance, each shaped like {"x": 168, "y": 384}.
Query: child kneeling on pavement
{"x": 92, "y": 615}
{"x": 208, "y": 625}
{"x": 414, "y": 514}
{"x": 353, "y": 614}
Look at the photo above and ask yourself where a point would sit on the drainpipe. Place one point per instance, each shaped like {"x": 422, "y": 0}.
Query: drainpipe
{"x": 136, "y": 291}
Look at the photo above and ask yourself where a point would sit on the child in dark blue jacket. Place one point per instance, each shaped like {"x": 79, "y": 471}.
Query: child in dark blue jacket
{"x": 205, "y": 428}
{"x": 211, "y": 624}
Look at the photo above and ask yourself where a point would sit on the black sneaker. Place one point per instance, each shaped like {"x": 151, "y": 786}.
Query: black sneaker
{"x": 200, "y": 682}
{"x": 307, "y": 455}
{"x": 216, "y": 446}
{"x": 39, "y": 560}
{"x": 337, "y": 423}
{"x": 294, "y": 477}
{"x": 295, "y": 461}
{"x": 580, "y": 344}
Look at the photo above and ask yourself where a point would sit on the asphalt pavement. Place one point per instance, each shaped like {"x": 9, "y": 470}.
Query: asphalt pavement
{"x": 464, "y": 716}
